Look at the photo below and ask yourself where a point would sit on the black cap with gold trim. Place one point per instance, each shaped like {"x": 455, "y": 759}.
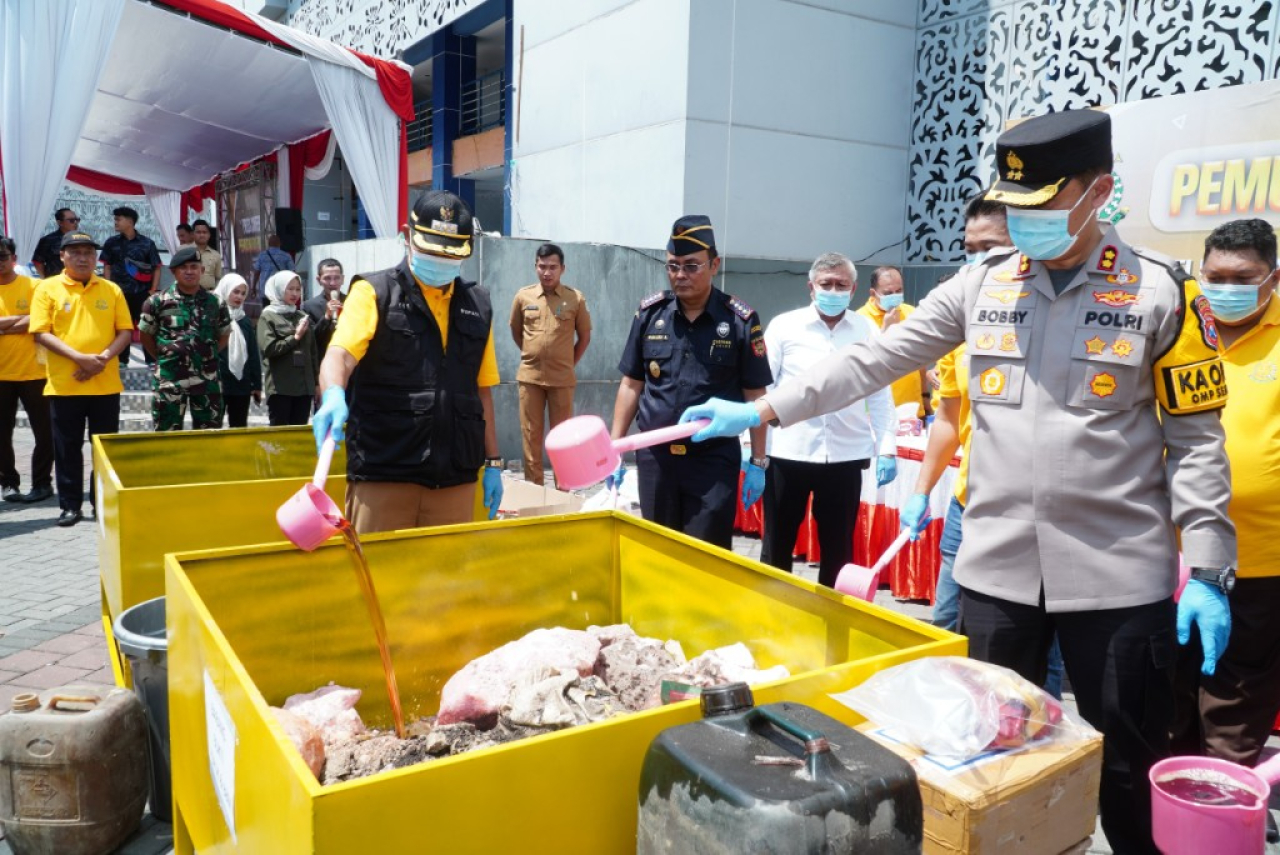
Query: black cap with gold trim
{"x": 1036, "y": 157}
{"x": 690, "y": 234}
{"x": 440, "y": 223}
{"x": 78, "y": 239}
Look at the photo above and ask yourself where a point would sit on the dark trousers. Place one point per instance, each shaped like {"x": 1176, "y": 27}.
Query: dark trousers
{"x": 134, "y": 300}
{"x": 71, "y": 414}
{"x": 1230, "y": 713}
{"x": 692, "y": 492}
{"x": 1120, "y": 662}
{"x": 31, "y": 394}
{"x": 237, "y": 410}
{"x": 285, "y": 410}
{"x": 836, "y": 490}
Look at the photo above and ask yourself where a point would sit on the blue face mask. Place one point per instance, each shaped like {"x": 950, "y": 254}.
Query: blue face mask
{"x": 433, "y": 270}
{"x": 831, "y": 303}
{"x": 973, "y": 259}
{"x": 1232, "y": 302}
{"x": 889, "y": 302}
{"x": 1044, "y": 235}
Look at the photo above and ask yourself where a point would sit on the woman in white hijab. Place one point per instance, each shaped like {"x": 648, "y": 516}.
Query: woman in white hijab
{"x": 240, "y": 364}
{"x": 290, "y": 362}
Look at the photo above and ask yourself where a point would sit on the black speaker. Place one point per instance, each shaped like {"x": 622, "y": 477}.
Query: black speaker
{"x": 289, "y": 228}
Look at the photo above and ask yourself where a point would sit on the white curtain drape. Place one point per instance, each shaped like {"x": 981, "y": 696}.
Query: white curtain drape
{"x": 321, "y": 169}
{"x": 368, "y": 132}
{"x": 52, "y": 54}
{"x": 165, "y": 205}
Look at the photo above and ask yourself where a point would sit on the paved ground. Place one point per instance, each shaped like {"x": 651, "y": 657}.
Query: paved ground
{"x": 50, "y": 615}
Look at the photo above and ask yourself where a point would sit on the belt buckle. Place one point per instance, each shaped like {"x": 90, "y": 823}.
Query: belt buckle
{"x": 679, "y": 449}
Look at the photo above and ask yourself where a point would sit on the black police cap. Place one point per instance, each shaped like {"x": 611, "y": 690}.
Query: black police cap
{"x": 1036, "y": 157}
{"x": 691, "y": 233}
{"x": 441, "y": 224}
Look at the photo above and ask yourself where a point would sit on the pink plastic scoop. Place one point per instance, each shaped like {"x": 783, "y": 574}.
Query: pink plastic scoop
{"x": 310, "y": 517}
{"x": 862, "y": 582}
{"x": 1203, "y": 804}
{"x": 582, "y": 454}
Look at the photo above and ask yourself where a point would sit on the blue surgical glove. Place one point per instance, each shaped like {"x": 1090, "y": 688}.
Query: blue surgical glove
{"x": 492, "y": 483}
{"x": 1207, "y": 606}
{"x": 886, "y": 469}
{"x": 915, "y": 514}
{"x": 728, "y": 418}
{"x": 331, "y": 417}
{"x": 613, "y": 481}
{"x": 752, "y": 485}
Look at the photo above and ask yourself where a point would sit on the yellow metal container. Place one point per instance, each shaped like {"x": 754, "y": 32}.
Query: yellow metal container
{"x": 164, "y": 492}
{"x": 252, "y": 625}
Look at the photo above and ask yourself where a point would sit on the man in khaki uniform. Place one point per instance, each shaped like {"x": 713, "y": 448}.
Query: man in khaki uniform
{"x": 552, "y": 327}
{"x": 1096, "y": 388}
{"x": 210, "y": 258}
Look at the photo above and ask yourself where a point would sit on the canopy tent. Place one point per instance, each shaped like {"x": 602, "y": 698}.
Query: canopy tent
{"x": 159, "y": 97}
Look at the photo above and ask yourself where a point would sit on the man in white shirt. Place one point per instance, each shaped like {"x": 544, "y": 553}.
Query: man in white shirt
{"x": 825, "y": 455}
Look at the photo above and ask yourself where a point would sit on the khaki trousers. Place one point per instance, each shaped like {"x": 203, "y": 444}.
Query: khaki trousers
{"x": 535, "y": 401}
{"x": 387, "y": 506}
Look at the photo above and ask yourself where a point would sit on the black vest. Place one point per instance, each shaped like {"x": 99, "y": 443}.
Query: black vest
{"x": 415, "y": 409}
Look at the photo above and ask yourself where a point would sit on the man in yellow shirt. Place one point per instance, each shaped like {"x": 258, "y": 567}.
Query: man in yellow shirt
{"x": 1238, "y": 703}
{"x": 83, "y": 322}
{"x": 420, "y": 425}
{"x": 21, "y": 380}
{"x": 884, "y": 308}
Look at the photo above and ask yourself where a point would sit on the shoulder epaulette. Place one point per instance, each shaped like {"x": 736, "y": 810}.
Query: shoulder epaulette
{"x": 1175, "y": 268}
{"x": 741, "y": 309}
{"x": 655, "y": 298}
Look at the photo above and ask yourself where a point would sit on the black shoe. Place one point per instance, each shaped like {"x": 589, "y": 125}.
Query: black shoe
{"x": 10, "y": 494}
{"x": 1273, "y": 833}
{"x": 69, "y": 518}
{"x": 93, "y": 513}
{"x": 38, "y": 494}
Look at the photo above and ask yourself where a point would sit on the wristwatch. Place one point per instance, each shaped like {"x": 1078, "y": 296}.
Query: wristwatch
{"x": 494, "y": 462}
{"x": 762, "y": 462}
{"x": 1222, "y": 578}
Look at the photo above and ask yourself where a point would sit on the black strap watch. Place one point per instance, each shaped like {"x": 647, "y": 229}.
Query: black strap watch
{"x": 1222, "y": 578}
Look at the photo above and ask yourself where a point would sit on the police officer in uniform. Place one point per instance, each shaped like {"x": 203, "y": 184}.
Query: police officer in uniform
{"x": 1096, "y": 388}
{"x": 421, "y": 425}
{"x": 687, "y": 345}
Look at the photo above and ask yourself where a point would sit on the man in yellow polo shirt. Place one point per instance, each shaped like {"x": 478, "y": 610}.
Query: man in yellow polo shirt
{"x": 1238, "y": 703}
{"x": 420, "y": 425}
{"x": 884, "y": 308}
{"x": 21, "y": 381}
{"x": 83, "y": 323}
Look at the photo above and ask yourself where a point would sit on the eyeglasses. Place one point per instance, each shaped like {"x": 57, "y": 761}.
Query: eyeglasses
{"x": 4, "y": 256}
{"x": 688, "y": 268}
{"x": 69, "y": 220}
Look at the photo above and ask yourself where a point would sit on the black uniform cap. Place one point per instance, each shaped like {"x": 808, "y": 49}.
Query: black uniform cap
{"x": 440, "y": 223}
{"x": 690, "y": 234}
{"x": 1036, "y": 157}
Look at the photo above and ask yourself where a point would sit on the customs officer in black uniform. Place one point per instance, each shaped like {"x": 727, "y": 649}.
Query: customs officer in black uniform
{"x": 686, "y": 346}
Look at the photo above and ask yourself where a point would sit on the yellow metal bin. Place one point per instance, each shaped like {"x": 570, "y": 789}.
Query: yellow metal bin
{"x": 165, "y": 492}
{"x": 249, "y": 626}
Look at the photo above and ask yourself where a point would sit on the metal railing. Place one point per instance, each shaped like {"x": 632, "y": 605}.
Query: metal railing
{"x": 419, "y": 130}
{"x": 484, "y": 103}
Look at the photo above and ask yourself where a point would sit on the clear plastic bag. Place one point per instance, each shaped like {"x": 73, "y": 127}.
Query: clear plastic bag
{"x": 954, "y": 707}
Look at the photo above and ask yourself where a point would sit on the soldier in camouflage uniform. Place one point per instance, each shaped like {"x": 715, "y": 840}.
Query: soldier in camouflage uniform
{"x": 184, "y": 327}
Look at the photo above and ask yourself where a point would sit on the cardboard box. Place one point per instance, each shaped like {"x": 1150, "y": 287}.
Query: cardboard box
{"x": 1041, "y": 800}
{"x": 521, "y": 499}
